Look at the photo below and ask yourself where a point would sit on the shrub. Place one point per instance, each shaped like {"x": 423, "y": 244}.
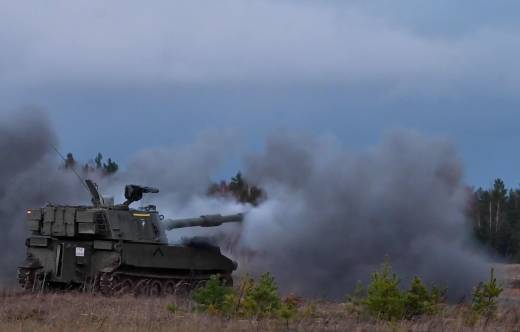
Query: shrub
{"x": 236, "y": 300}
{"x": 261, "y": 298}
{"x": 419, "y": 300}
{"x": 252, "y": 298}
{"x": 485, "y": 297}
{"x": 286, "y": 311}
{"x": 214, "y": 297}
{"x": 384, "y": 299}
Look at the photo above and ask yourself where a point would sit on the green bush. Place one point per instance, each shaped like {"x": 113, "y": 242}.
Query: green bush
{"x": 287, "y": 311}
{"x": 214, "y": 297}
{"x": 384, "y": 299}
{"x": 236, "y": 299}
{"x": 419, "y": 300}
{"x": 253, "y": 298}
{"x": 485, "y": 297}
{"x": 261, "y": 298}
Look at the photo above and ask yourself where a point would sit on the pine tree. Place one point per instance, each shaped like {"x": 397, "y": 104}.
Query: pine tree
{"x": 485, "y": 297}
{"x": 98, "y": 160}
{"x": 498, "y": 223}
{"x": 110, "y": 167}
{"x": 70, "y": 162}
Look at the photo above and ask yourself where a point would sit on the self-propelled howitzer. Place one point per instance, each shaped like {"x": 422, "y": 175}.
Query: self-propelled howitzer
{"x": 117, "y": 249}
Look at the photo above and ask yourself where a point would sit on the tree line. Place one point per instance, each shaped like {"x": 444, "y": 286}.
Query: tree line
{"x": 495, "y": 216}
{"x": 95, "y": 165}
{"x": 239, "y": 189}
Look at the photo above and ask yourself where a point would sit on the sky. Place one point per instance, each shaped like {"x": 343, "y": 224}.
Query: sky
{"x": 123, "y": 76}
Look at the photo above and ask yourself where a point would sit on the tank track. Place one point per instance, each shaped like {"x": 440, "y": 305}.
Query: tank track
{"x": 117, "y": 284}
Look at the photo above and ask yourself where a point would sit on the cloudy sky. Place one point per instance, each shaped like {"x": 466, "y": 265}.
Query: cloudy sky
{"x": 119, "y": 76}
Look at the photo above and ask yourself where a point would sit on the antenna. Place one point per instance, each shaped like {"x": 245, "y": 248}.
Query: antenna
{"x": 72, "y": 167}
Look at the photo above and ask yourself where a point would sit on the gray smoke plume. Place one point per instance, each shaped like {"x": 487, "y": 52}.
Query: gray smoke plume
{"x": 29, "y": 177}
{"x": 181, "y": 172}
{"x": 332, "y": 216}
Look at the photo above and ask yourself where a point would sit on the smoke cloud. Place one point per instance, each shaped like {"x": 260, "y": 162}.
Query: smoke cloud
{"x": 332, "y": 216}
{"x": 29, "y": 177}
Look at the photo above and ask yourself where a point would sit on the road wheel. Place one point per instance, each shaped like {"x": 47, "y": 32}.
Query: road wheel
{"x": 182, "y": 288}
{"x": 125, "y": 286}
{"x": 107, "y": 282}
{"x": 141, "y": 288}
{"x": 155, "y": 288}
{"x": 169, "y": 288}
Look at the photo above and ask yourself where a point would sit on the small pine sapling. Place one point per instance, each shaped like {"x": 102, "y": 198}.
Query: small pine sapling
{"x": 213, "y": 297}
{"x": 485, "y": 297}
{"x": 419, "y": 300}
{"x": 262, "y": 299}
{"x": 384, "y": 299}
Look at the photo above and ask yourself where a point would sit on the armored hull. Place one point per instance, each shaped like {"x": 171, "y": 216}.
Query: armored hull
{"x": 114, "y": 249}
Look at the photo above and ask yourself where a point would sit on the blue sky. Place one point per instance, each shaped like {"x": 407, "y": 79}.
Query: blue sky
{"x": 124, "y": 75}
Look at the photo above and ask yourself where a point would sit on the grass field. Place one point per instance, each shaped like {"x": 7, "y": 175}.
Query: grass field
{"x": 82, "y": 312}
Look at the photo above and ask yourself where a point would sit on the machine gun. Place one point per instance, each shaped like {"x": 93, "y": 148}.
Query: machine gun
{"x": 134, "y": 193}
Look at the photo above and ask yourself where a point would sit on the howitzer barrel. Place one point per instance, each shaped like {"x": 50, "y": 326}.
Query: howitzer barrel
{"x": 211, "y": 220}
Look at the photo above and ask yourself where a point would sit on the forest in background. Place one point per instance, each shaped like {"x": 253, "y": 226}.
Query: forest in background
{"x": 495, "y": 216}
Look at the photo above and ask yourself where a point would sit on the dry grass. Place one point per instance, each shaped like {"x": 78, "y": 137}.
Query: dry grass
{"x": 83, "y": 312}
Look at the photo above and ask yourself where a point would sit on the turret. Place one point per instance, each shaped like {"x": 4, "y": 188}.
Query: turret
{"x": 203, "y": 221}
